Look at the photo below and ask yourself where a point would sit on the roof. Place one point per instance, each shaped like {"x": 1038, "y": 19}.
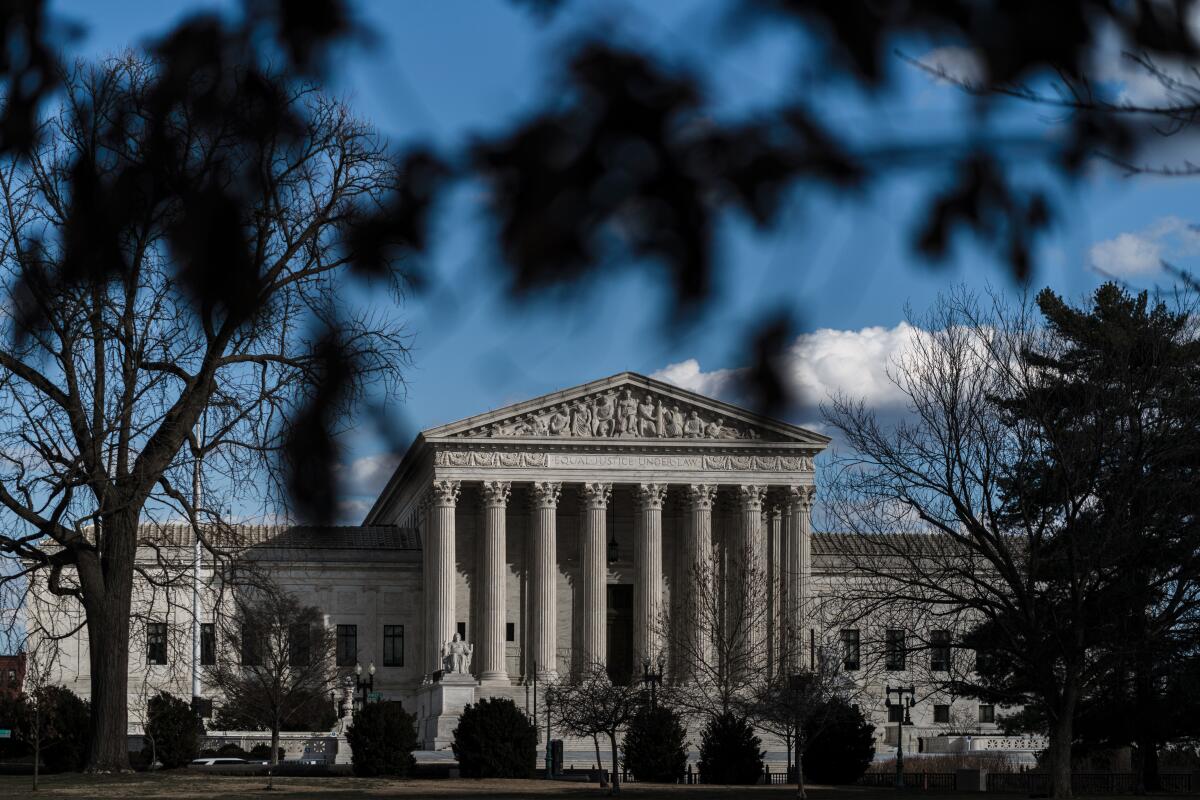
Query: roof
{"x": 295, "y": 537}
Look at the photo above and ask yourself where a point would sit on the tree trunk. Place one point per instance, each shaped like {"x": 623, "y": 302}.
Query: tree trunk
{"x": 37, "y": 741}
{"x": 615, "y": 783}
{"x": 599, "y": 762}
{"x": 1146, "y": 715}
{"x": 1062, "y": 733}
{"x": 108, "y": 650}
{"x": 800, "y": 763}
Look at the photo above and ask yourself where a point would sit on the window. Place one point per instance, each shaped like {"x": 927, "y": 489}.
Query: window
{"x": 939, "y": 651}
{"x": 894, "y": 650}
{"x": 347, "y": 645}
{"x": 987, "y": 713}
{"x": 850, "y": 650}
{"x": 208, "y": 644}
{"x": 462, "y": 630}
{"x": 156, "y": 642}
{"x": 510, "y": 632}
{"x": 251, "y": 646}
{"x": 941, "y": 713}
{"x": 895, "y": 713}
{"x": 393, "y": 645}
{"x": 299, "y": 645}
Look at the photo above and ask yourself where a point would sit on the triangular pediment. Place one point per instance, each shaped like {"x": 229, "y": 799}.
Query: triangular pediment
{"x": 627, "y": 406}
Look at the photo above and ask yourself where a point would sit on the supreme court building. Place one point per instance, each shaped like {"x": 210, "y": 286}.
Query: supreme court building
{"x": 549, "y": 534}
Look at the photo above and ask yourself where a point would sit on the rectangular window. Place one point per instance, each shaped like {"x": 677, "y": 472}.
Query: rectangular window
{"x": 987, "y": 713}
{"x": 941, "y": 713}
{"x": 347, "y": 645}
{"x": 208, "y": 644}
{"x": 393, "y": 645}
{"x": 895, "y": 713}
{"x": 462, "y": 630}
{"x": 850, "y": 650}
{"x": 252, "y": 655}
{"x": 894, "y": 650}
{"x": 156, "y": 643}
{"x": 299, "y": 645}
{"x": 939, "y": 651}
{"x": 510, "y": 632}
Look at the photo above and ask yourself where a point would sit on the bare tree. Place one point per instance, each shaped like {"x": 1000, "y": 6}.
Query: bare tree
{"x": 791, "y": 705}
{"x": 594, "y": 706}
{"x": 105, "y": 382}
{"x": 274, "y": 656}
{"x": 951, "y": 534}
{"x": 719, "y": 644}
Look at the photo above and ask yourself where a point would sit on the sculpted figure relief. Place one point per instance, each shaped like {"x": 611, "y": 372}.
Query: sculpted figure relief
{"x": 606, "y": 412}
{"x": 456, "y": 656}
{"x": 581, "y": 420}
{"x": 559, "y": 423}
{"x": 647, "y": 418}
{"x": 674, "y": 423}
{"x": 610, "y": 414}
{"x": 627, "y": 411}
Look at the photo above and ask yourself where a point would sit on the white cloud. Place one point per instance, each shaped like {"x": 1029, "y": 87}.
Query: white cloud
{"x": 958, "y": 63}
{"x": 820, "y": 364}
{"x": 1142, "y": 252}
{"x": 367, "y": 475}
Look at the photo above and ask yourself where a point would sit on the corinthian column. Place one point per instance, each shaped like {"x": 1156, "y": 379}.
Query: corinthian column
{"x": 439, "y": 579}
{"x": 492, "y": 589}
{"x": 698, "y": 605}
{"x": 647, "y": 558}
{"x": 774, "y": 519}
{"x": 799, "y": 530}
{"x": 750, "y": 589}
{"x": 593, "y": 597}
{"x": 545, "y": 568}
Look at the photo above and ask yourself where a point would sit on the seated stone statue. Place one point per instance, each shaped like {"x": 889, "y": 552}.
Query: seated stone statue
{"x": 456, "y": 656}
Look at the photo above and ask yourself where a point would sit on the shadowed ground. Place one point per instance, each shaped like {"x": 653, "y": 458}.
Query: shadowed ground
{"x": 184, "y": 785}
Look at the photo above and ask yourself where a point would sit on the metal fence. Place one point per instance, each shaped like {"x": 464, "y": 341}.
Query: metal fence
{"x": 912, "y": 780}
{"x": 1088, "y": 782}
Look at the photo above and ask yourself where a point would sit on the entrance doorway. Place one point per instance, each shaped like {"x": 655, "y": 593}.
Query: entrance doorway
{"x": 620, "y": 633}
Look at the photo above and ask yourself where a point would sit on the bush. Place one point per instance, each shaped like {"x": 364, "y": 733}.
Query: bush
{"x": 656, "y": 746}
{"x": 841, "y": 751}
{"x": 382, "y": 739}
{"x": 494, "y": 739}
{"x": 173, "y": 730}
{"x": 65, "y": 726}
{"x": 231, "y": 750}
{"x": 729, "y": 751}
{"x": 262, "y": 752}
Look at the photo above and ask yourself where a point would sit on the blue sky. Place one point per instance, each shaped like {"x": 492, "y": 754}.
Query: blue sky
{"x": 443, "y": 71}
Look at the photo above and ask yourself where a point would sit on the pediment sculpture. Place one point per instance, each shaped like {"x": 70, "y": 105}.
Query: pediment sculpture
{"x": 620, "y": 414}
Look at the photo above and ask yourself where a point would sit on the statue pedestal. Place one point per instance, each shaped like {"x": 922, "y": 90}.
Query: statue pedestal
{"x": 438, "y": 706}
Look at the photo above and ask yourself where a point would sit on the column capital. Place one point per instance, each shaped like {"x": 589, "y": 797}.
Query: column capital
{"x": 750, "y": 497}
{"x": 650, "y": 495}
{"x": 444, "y": 493}
{"x": 545, "y": 494}
{"x": 597, "y": 495}
{"x": 801, "y": 498}
{"x": 496, "y": 493}
{"x": 700, "y": 496}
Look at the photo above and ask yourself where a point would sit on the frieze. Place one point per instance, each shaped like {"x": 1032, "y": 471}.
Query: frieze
{"x": 617, "y": 414}
{"x": 714, "y": 463}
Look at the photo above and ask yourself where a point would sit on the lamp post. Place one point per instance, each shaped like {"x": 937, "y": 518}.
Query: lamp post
{"x": 652, "y": 678}
{"x": 904, "y": 701}
{"x": 364, "y": 687}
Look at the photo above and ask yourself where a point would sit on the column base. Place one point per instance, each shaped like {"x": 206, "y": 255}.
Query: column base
{"x": 495, "y": 678}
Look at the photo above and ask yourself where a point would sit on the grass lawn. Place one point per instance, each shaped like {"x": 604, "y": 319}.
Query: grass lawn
{"x": 181, "y": 784}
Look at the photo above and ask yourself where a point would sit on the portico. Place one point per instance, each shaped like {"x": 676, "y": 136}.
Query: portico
{"x": 519, "y": 508}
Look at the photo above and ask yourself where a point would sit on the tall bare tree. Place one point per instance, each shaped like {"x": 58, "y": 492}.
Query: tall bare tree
{"x": 274, "y": 656}
{"x": 105, "y": 375}
{"x": 991, "y": 510}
